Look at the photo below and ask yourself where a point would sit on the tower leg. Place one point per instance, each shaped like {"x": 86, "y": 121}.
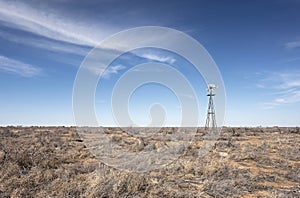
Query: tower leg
{"x": 210, "y": 124}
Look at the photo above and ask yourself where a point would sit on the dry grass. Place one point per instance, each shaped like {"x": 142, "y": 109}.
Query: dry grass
{"x": 245, "y": 162}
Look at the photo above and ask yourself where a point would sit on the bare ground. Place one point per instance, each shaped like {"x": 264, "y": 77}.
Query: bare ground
{"x": 245, "y": 162}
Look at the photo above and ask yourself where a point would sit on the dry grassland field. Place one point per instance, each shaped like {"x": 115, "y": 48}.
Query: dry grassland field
{"x": 244, "y": 162}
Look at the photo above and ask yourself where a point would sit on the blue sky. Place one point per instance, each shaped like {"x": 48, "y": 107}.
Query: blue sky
{"x": 256, "y": 45}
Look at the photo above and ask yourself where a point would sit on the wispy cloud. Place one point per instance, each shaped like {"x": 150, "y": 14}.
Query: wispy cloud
{"x": 293, "y": 97}
{"x": 98, "y": 67}
{"x": 60, "y": 31}
{"x": 285, "y": 87}
{"x": 159, "y": 58}
{"x": 51, "y": 24}
{"x": 12, "y": 66}
{"x": 106, "y": 72}
{"x": 50, "y": 30}
{"x": 46, "y": 44}
{"x": 112, "y": 70}
{"x": 293, "y": 44}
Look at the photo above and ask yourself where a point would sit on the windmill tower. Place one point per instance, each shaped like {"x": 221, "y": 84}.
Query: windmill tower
{"x": 211, "y": 125}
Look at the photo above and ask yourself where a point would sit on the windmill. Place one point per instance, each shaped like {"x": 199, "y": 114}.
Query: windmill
{"x": 211, "y": 125}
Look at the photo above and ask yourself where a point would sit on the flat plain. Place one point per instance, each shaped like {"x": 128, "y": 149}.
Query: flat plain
{"x": 244, "y": 162}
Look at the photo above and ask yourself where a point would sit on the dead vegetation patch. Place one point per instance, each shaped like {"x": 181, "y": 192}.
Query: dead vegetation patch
{"x": 244, "y": 162}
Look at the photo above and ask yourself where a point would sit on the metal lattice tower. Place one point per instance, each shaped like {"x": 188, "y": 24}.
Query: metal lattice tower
{"x": 211, "y": 124}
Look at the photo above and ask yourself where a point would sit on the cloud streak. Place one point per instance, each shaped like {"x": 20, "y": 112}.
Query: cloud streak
{"x": 51, "y": 24}
{"x": 285, "y": 87}
{"x": 159, "y": 58}
{"x": 106, "y": 73}
{"x": 46, "y": 44}
{"x": 56, "y": 31}
{"x": 292, "y": 45}
{"x": 12, "y": 66}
